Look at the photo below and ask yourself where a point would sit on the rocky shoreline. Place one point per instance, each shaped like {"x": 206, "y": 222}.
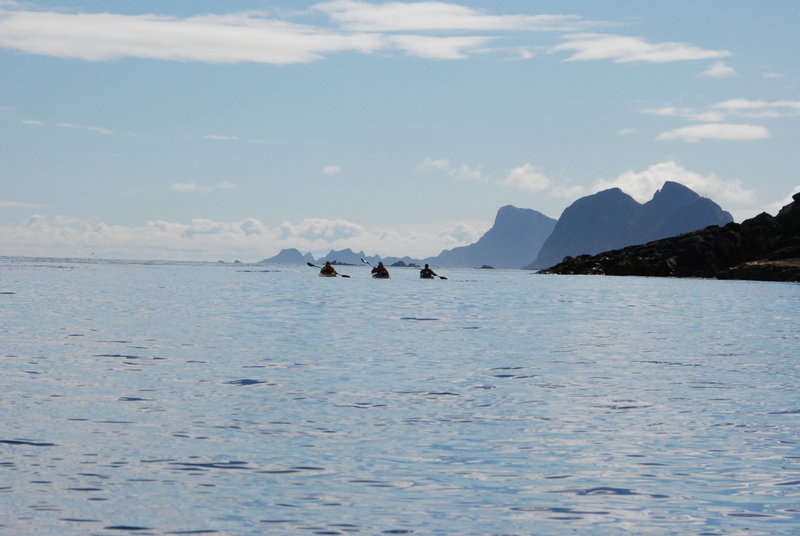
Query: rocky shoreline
{"x": 764, "y": 248}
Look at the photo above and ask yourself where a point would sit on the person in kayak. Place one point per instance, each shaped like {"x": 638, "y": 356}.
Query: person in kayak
{"x": 380, "y": 271}
{"x": 328, "y": 269}
{"x": 427, "y": 273}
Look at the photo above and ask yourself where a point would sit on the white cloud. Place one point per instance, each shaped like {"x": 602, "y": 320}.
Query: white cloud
{"x": 185, "y": 187}
{"x": 463, "y": 172}
{"x": 32, "y": 122}
{"x": 716, "y": 131}
{"x": 319, "y": 229}
{"x": 732, "y": 109}
{"x": 332, "y": 169}
{"x": 427, "y": 29}
{"x": 568, "y": 192}
{"x": 626, "y": 49}
{"x": 238, "y": 37}
{"x": 719, "y": 70}
{"x": 462, "y": 234}
{"x": 527, "y": 177}
{"x": 687, "y": 113}
{"x": 758, "y": 109}
{"x": 98, "y": 130}
{"x": 220, "y": 137}
{"x": 641, "y": 185}
{"x": 440, "y": 16}
{"x": 438, "y": 48}
{"x": 254, "y": 37}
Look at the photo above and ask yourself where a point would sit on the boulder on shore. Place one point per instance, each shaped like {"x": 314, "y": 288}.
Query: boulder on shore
{"x": 763, "y": 248}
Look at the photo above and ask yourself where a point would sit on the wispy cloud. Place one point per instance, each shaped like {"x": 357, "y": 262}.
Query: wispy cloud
{"x": 98, "y": 130}
{"x": 332, "y": 169}
{"x": 19, "y": 204}
{"x": 219, "y": 137}
{"x": 233, "y": 38}
{"x": 462, "y": 172}
{"x": 716, "y": 131}
{"x": 759, "y": 108}
{"x": 719, "y": 69}
{"x": 687, "y": 113}
{"x": 732, "y": 109}
{"x": 439, "y": 48}
{"x": 441, "y": 16}
{"x": 32, "y": 122}
{"x": 716, "y": 119}
{"x": 627, "y": 49}
{"x": 427, "y": 29}
{"x": 187, "y": 187}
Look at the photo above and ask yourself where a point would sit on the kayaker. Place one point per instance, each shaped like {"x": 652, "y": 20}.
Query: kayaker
{"x": 380, "y": 271}
{"x": 328, "y": 269}
{"x": 427, "y": 273}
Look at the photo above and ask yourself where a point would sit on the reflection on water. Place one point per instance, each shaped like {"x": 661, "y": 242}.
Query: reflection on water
{"x": 155, "y": 398}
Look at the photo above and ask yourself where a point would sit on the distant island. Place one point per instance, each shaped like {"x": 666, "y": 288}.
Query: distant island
{"x": 678, "y": 233}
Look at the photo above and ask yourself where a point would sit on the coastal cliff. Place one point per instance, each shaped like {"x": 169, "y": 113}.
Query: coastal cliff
{"x": 763, "y": 248}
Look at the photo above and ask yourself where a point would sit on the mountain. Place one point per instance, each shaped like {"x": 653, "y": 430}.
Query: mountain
{"x": 764, "y": 248}
{"x": 612, "y": 219}
{"x": 289, "y": 256}
{"x": 348, "y": 256}
{"x": 514, "y": 239}
{"x": 676, "y": 209}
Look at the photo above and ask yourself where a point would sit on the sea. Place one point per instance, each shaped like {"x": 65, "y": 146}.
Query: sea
{"x": 150, "y": 398}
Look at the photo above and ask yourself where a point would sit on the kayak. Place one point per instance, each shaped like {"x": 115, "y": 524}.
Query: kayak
{"x": 426, "y": 277}
{"x": 326, "y": 275}
{"x": 376, "y": 276}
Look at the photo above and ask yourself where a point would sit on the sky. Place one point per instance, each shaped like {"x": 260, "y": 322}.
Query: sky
{"x": 204, "y": 130}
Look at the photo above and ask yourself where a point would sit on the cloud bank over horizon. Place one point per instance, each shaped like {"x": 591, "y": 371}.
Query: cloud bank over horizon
{"x": 250, "y": 240}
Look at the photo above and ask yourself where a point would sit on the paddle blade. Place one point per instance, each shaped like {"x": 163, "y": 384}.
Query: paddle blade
{"x": 345, "y": 276}
{"x": 311, "y": 265}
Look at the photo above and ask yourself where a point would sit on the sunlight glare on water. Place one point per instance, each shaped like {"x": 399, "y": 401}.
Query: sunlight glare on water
{"x": 177, "y": 398}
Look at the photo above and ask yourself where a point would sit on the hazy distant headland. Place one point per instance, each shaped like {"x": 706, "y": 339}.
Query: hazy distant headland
{"x": 693, "y": 234}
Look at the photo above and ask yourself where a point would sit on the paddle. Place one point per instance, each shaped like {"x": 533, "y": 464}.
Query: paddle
{"x": 439, "y": 276}
{"x": 436, "y": 275}
{"x": 365, "y": 261}
{"x": 340, "y": 275}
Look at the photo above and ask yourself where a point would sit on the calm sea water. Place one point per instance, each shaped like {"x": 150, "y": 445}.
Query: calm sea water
{"x": 158, "y": 398}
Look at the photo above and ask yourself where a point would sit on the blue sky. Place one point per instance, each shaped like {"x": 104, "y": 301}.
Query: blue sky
{"x": 201, "y": 130}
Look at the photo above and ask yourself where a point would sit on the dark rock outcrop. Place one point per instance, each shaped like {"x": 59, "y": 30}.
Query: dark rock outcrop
{"x": 514, "y": 239}
{"x": 762, "y": 248}
{"x": 612, "y": 219}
